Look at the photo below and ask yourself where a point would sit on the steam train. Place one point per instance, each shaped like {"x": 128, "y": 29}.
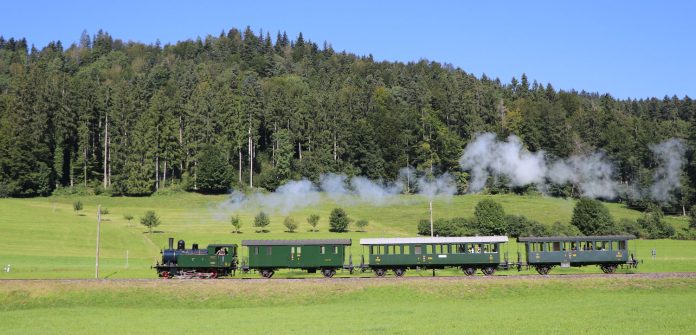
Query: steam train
{"x": 395, "y": 255}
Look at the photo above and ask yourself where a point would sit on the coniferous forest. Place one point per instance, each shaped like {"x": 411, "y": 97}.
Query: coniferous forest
{"x": 246, "y": 108}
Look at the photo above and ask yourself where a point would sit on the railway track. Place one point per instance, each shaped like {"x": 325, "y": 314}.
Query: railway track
{"x": 656, "y": 275}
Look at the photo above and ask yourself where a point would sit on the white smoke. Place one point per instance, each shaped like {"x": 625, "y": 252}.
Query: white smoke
{"x": 300, "y": 194}
{"x": 486, "y": 155}
{"x": 288, "y": 197}
{"x": 593, "y": 174}
{"x": 442, "y": 186}
{"x": 670, "y": 156}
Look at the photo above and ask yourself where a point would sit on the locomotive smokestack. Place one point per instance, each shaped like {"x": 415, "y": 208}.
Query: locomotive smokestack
{"x": 171, "y": 243}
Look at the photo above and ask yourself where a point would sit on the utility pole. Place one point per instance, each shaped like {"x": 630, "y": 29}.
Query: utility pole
{"x": 431, "y": 218}
{"x": 96, "y": 272}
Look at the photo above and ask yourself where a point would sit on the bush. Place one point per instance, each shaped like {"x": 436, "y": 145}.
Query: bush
{"x": 692, "y": 217}
{"x": 150, "y": 220}
{"x": 77, "y": 206}
{"x": 654, "y": 226}
{"x": 591, "y": 217}
{"x": 628, "y": 226}
{"x": 290, "y": 224}
{"x": 104, "y": 211}
{"x": 338, "y": 220}
{"x": 361, "y": 224}
{"x": 313, "y": 220}
{"x": 261, "y": 221}
{"x": 236, "y": 223}
{"x": 518, "y": 225}
{"x": 490, "y": 217}
{"x": 561, "y": 229}
{"x": 454, "y": 227}
{"x": 128, "y": 217}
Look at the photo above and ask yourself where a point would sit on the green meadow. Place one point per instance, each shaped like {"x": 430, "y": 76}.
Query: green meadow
{"x": 46, "y": 238}
{"x": 554, "y": 305}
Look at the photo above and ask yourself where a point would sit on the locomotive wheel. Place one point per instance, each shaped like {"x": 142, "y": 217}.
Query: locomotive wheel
{"x": 399, "y": 272}
{"x": 267, "y": 273}
{"x": 380, "y": 272}
{"x": 164, "y": 274}
{"x": 469, "y": 271}
{"x": 608, "y": 268}
{"x": 328, "y": 273}
{"x": 543, "y": 270}
{"x": 488, "y": 271}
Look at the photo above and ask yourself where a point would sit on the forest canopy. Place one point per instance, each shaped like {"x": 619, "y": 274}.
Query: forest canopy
{"x": 128, "y": 118}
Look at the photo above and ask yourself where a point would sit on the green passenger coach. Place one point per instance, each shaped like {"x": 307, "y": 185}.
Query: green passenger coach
{"x": 400, "y": 254}
{"x": 607, "y": 252}
{"x": 266, "y": 256}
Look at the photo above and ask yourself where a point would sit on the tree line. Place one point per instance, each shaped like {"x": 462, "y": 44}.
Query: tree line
{"x": 243, "y": 109}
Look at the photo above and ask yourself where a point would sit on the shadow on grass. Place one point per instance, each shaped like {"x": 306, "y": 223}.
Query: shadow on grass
{"x": 110, "y": 274}
{"x": 154, "y": 232}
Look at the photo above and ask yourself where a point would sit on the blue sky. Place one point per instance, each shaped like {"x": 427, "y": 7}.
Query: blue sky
{"x": 626, "y": 48}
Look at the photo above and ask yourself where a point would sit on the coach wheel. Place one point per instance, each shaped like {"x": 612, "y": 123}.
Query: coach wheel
{"x": 488, "y": 271}
{"x": 608, "y": 268}
{"x": 328, "y": 273}
{"x": 380, "y": 272}
{"x": 469, "y": 271}
{"x": 267, "y": 273}
{"x": 164, "y": 274}
{"x": 399, "y": 272}
{"x": 543, "y": 270}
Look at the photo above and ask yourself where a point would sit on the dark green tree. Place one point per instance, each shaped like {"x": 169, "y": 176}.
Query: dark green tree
{"x": 591, "y": 217}
{"x": 490, "y": 217}
{"x": 213, "y": 172}
{"x": 150, "y": 220}
{"x": 261, "y": 221}
{"x": 338, "y": 221}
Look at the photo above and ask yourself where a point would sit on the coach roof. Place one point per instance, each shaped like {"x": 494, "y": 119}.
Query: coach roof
{"x": 434, "y": 240}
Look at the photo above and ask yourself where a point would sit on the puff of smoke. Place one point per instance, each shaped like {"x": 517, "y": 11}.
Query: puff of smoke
{"x": 442, "y": 186}
{"x": 486, "y": 155}
{"x": 288, "y": 197}
{"x": 670, "y": 156}
{"x": 375, "y": 193}
{"x": 591, "y": 173}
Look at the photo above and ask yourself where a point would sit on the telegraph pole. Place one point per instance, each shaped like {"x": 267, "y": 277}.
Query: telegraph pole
{"x": 96, "y": 272}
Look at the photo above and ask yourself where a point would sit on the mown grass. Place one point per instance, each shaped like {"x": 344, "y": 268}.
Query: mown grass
{"x": 45, "y": 238}
{"x": 519, "y": 306}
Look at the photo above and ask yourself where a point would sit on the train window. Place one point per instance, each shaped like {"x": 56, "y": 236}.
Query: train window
{"x": 622, "y": 245}
{"x": 336, "y": 249}
{"x": 292, "y": 252}
{"x": 256, "y": 250}
{"x": 269, "y": 250}
{"x": 407, "y": 250}
{"x": 613, "y": 245}
{"x": 556, "y": 246}
{"x": 299, "y": 251}
{"x": 397, "y": 250}
{"x": 372, "y": 250}
{"x": 439, "y": 248}
{"x": 494, "y": 248}
{"x": 600, "y": 246}
{"x": 429, "y": 249}
{"x": 417, "y": 250}
{"x": 461, "y": 248}
{"x": 322, "y": 249}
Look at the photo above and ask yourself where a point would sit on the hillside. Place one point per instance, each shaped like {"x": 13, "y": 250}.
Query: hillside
{"x": 241, "y": 109}
{"x": 45, "y": 238}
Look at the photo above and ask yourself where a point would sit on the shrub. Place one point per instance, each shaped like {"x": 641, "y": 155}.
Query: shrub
{"x": 490, "y": 217}
{"x": 592, "y": 218}
{"x": 150, "y": 220}
{"x": 104, "y": 211}
{"x": 561, "y": 229}
{"x": 655, "y": 226}
{"x": 236, "y": 223}
{"x": 338, "y": 220}
{"x": 313, "y": 220}
{"x": 128, "y": 217}
{"x": 77, "y": 206}
{"x": 692, "y": 217}
{"x": 632, "y": 227}
{"x": 261, "y": 221}
{"x": 518, "y": 225}
{"x": 290, "y": 224}
{"x": 361, "y": 224}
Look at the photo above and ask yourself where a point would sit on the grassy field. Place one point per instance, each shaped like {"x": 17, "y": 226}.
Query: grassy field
{"x": 508, "y": 306}
{"x": 45, "y": 238}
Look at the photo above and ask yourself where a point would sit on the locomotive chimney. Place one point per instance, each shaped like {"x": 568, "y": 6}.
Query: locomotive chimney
{"x": 171, "y": 243}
